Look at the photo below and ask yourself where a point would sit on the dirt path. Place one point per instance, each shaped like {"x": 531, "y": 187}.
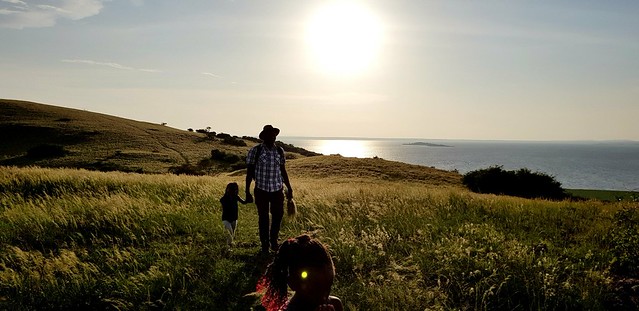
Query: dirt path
{"x": 154, "y": 136}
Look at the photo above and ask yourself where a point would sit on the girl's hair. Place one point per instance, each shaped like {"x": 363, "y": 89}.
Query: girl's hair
{"x": 232, "y": 186}
{"x": 293, "y": 254}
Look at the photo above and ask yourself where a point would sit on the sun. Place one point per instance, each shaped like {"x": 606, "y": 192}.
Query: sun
{"x": 343, "y": 38}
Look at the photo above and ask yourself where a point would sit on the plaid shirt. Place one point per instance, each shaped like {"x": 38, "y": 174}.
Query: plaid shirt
{"x": 268, "y": 176}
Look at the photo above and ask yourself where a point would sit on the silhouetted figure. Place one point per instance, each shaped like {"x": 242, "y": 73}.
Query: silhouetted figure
{"x": 305, "y": 265}
{"x": 230, "y": 211}
{"x": 266, "y": 165}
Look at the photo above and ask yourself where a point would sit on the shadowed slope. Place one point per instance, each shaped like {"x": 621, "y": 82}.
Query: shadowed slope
{"x": 97, "y": 141}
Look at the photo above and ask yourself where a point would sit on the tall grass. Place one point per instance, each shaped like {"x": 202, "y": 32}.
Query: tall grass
{"x": 74, "y": 239}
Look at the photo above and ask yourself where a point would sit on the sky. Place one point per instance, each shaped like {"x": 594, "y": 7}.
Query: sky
{"x": 489, "y": 70}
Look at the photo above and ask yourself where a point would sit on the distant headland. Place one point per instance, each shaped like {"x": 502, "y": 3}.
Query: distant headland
{"x": 426, "y": 144}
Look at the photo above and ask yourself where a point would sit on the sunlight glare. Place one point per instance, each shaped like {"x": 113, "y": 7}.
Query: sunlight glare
{"x": 344, "y": 38}
{"x": 346, "y": 148}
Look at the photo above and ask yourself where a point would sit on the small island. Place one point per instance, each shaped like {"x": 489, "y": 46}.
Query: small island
{"x": 426, "y": 144}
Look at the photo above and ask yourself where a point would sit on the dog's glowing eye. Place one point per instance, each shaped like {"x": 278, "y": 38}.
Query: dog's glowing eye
{"x": 304, "y": 275}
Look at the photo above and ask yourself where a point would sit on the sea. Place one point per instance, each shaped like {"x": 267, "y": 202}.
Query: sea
{"x": 602, "y": 165}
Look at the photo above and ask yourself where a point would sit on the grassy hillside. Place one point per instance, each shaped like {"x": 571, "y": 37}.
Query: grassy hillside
{"x": 107, "y": 143}
{"x": 403, "y": 237}
{"x": 98, "y": 141}
{"x": 74, "y": 239}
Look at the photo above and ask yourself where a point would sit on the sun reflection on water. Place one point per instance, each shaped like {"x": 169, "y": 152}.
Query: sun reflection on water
{"x": 347, "y": 148}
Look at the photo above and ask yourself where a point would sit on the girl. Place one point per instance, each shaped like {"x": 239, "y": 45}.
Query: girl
{"x": 230, "y": 209}
{"x": 305, "y": 265}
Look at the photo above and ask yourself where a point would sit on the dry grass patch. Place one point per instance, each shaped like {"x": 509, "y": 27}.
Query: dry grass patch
{"x": 72, "y": 239}
{"x": 338, "y": 167}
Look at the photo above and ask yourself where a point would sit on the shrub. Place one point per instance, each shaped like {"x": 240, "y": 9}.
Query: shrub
{"x": 186, "y": 169}
{"x": 234, "y": 141}
{"x": 223, "y": 135}
{"x": 222, "y": 156}
{"x": 623, "y": 242}
{"x": 46, "y": 151}
{"x": 520, "y": 183}
{"x": 623, "y": 239}
{"x": 252, "y": 139}
{"x": 107, "y": 167}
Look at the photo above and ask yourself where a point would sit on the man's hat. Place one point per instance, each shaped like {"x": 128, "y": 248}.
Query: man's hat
{"x": 269, "y": 129}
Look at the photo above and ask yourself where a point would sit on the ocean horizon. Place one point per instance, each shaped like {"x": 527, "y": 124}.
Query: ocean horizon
{"x": 579, "y": 164}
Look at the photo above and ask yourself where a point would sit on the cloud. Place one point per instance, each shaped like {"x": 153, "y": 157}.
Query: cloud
{"x": 16, "y": 2}
{"x": 19, "y": 14}
{"x": 107, "y": 64}
{"x": 212, "y": 75}
{"x": 218, "y": 77}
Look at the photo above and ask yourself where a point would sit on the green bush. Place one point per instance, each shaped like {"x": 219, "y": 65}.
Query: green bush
{"x": 521, "y": 183}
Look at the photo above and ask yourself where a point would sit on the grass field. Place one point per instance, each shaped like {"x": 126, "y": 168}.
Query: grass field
{"x": 605, "y": 195}
{"x": 98, "y": 141}
{"x": 73, "y": 239}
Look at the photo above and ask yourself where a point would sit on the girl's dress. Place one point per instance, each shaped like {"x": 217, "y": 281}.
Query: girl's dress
{"x": 230, "y": 215}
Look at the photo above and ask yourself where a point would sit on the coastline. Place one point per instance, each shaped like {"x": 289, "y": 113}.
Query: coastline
{"x": 560, "y": 141}
{"x": 591, "y": 165}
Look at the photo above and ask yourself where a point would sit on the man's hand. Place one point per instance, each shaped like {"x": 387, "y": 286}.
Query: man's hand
{"x": 249, "y": 197}
{"x": 325, "y": 307}
{"x": 289, "y": 194}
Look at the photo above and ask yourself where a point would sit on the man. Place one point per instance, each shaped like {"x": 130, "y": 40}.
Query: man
{"x": 266, "y": 164}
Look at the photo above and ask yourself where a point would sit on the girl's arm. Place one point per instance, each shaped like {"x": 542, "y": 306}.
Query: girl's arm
{"x": 240, "y": 199}
{"x": 332, "y": 304}
{"x": 336, "y": 303}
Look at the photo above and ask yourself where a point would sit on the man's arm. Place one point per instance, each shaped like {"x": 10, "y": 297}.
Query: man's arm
{"x": 250, "y": 174}
{"x": 286, "y": 181}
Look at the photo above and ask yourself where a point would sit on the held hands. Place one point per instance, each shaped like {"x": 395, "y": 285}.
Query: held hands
{"x": 249, "y": 197}
{"x": 325, "y": 307}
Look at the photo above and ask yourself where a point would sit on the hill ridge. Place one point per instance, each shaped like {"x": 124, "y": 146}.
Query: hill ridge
{"x": 98, "y": 141}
